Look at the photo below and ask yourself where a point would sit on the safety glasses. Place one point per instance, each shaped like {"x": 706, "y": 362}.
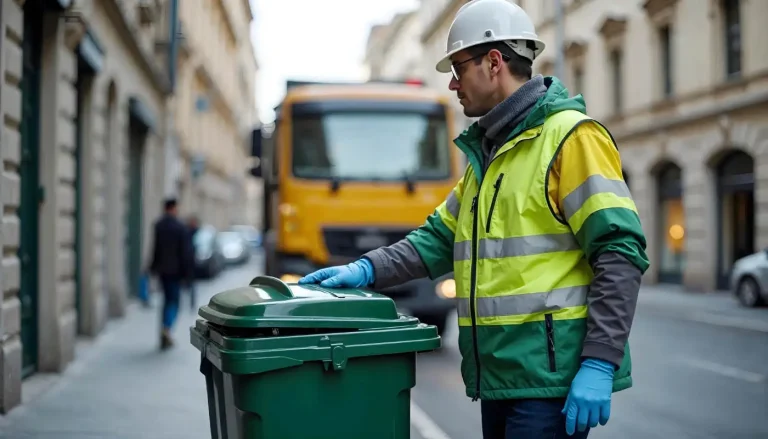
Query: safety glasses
{"x": 455, "y": 67}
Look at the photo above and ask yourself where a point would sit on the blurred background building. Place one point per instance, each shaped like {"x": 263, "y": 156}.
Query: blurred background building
{"x": 88, "y": 145}
{"x": 683, "y": 87}
{"x": 215, "y": 109}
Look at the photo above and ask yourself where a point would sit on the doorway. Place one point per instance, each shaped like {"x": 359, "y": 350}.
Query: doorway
{"x": 736, "y": 213}
{"x": 85, "y": 75}
{"x": 29, "y": 172}
{"x": 137, "y": 135}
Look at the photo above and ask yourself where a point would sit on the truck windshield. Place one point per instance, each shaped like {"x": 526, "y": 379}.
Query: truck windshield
{"x": 369, "y": 145}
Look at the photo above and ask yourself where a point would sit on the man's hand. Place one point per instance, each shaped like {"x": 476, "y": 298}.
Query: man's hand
{"x": 355, "y": 275}
{"x": 589, "y": 399}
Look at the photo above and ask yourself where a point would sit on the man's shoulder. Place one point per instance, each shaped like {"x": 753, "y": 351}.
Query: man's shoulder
{"x": 565, "y": 119}
{"x": 168, "y": 222}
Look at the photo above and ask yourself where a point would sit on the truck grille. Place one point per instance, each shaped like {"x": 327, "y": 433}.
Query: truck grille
{"x": 353, "y": 242}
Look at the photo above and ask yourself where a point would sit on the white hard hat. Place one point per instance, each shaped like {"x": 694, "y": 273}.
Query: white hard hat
{"x": 487, "y": 21}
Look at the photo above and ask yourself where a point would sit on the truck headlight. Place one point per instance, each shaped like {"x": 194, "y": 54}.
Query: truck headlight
{"x": 290, "y": 278}
{"x": 446, "y": 289}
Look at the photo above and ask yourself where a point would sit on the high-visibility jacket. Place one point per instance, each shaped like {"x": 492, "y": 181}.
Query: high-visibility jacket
{"x": 522, "y": 273}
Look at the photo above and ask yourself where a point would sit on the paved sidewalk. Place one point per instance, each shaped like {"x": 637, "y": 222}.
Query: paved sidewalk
{"x": 122, "y": 386}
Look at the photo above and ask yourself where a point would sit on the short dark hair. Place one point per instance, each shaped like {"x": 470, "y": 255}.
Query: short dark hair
{"x": 520, "y": 67}
{"x": 170, "y": 203}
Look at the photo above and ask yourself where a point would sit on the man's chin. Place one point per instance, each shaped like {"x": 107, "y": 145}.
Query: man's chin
{"x": 471, "y": 113}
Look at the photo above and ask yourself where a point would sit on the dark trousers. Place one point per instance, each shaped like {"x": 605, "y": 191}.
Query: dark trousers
{"x": 526, "y": 419}
{"x": 171, "y": 296}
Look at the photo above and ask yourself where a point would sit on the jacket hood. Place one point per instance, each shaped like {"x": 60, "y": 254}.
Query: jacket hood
{"x": 555, "y": 100}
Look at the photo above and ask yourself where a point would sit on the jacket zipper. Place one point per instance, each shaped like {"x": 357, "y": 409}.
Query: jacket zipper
{"x": 472, "y": 293}
{"x": 496, "y": 187}
{"x": 473, "y": 271}
{"x": 550, "y": 342}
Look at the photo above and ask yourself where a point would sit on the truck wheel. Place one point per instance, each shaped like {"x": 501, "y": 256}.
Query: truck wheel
{"x": 438, "y": 320}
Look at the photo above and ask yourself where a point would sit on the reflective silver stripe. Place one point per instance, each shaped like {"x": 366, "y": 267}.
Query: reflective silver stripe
{"x": 462, "y": 251}
{"x": 518, "y": 246}
{"x": 452, "y": 204}
{"x": 525, "y": 304}
{"x": 594, "y": 184}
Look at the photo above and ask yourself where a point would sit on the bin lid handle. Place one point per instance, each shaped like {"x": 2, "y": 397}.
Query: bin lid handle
{"x": 273, "y": 282}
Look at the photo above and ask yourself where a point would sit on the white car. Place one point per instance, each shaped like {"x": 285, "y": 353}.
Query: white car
{"x": 749, "y": 279}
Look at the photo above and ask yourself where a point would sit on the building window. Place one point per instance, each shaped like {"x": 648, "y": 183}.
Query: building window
{"x": 671, "y": 224}
{"x": 665, "y": 41}
{"x": 616, "y": 79}
{"x": 732, "y": 26}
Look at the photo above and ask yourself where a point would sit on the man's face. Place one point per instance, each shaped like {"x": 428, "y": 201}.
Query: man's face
{"x": 472, "y": 83}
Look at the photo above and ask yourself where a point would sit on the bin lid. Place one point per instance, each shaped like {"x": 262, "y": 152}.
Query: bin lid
{"x": 268, "y": 302}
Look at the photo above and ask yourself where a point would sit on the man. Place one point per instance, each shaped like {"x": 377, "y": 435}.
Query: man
{"x": 542, "y": 235}
{"x": 172, "y": 264}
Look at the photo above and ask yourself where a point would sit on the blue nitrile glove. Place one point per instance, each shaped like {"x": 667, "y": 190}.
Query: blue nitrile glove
{"x": 589, "y": 399}
{"x": 354, "y": 275}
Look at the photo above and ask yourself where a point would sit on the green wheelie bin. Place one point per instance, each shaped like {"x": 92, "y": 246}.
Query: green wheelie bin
{"x": 287, "y": 361}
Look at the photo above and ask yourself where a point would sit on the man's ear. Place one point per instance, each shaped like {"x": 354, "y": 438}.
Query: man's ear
{"x": 495, "y": 61}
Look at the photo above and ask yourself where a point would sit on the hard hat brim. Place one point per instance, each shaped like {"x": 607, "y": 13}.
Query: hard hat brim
{"x": 444, "y": 65}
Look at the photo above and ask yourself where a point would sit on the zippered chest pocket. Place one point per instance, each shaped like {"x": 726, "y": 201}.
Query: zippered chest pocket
{"x": 496, "y": 187}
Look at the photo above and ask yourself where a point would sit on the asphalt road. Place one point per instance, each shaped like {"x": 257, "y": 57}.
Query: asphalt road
{"x": 701, "y": 377}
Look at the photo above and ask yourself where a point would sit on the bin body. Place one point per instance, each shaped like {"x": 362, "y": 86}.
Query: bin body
{"x": 325, "y": 377}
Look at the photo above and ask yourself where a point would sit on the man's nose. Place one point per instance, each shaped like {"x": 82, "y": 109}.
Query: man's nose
{"x": 453, "y": 85}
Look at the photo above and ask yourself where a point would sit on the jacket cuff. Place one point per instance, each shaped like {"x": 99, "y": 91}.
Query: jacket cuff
{"x": 604, "y": 352}
{"x": 381, "y": 267}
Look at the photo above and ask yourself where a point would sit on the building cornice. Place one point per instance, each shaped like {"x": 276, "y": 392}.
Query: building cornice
{"x": 654, "y": 7}
{"x": 613, "y": 26}
{"x": 248, "y": 11}
{"x": 230, "y": 21}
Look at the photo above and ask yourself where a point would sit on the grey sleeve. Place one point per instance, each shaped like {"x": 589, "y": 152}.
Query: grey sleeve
{"x": 396, "y": 264}
{"x": 611, "y": 304}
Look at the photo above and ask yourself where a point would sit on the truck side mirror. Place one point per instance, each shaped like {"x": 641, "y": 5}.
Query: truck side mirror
{"x": 256, "y": 143}
{"x": 256, "y": 152}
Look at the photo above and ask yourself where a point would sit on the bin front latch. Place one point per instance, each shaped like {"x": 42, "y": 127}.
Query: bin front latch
{"x": 338, "y": 357}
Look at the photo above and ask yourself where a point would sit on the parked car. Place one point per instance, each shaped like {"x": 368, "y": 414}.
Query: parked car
{"x": 249, "y": 233}
{"x": 749, "y": 279}
{"x": 209, "y": 260}
{"x": 234, "y": 248}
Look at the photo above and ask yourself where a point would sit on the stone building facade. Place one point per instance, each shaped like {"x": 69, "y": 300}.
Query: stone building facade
{"x": 683, "y": 87}
{"x": 215, "y": 109}
{"x": 82, "y": 98}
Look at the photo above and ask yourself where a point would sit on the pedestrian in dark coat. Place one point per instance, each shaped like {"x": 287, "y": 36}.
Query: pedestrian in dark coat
{"x": 172, "y": 263}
